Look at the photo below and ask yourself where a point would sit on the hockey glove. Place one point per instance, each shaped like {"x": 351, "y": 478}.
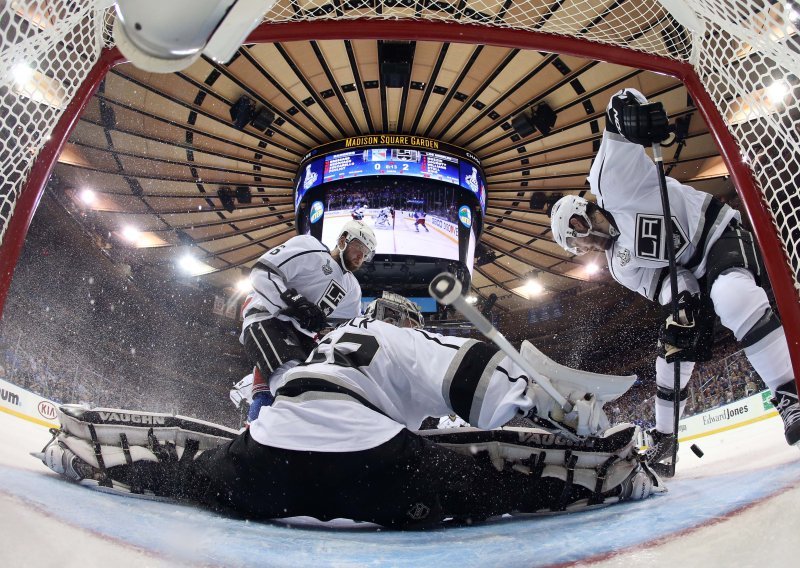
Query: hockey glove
{"x": 638, "y": 122}
{"x": 677, "y": 339}
{"x": 308, "y": 315}
{"x": 586, "y": 418}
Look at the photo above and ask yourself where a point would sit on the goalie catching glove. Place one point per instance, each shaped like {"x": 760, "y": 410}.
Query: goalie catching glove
{"x": 307, "y": 314}
{"x": 630, "y": 116}
{"x": 586, "y": 418}
{"x": 585, "y": 392}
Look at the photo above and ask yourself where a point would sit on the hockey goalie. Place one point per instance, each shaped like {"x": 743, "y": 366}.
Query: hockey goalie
{"x": 340, "y": 442}
{"x": 384, "y": 219}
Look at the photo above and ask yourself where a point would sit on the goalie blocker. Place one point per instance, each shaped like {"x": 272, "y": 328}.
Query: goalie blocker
{"x": 155, "y": 455}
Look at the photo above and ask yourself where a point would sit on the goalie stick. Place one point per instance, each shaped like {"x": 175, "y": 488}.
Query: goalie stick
{"x": 446, "y": 289}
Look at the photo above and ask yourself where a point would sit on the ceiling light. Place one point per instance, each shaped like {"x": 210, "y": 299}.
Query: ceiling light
{"x": 533, "y": 287}
{"x": 777, "y": 90}
{"x": 472, "y": 299}
{"x": 131, "y": 234}
{"x": 192, "y": 266}
{"x": 88, "y": 196}
{"x": 592, "y": 268}
{"x": 22, "y": 73}
{"x": 244, "y": 285}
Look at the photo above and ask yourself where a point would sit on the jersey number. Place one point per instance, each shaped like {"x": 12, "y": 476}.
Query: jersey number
{"x": 367, "y": 349}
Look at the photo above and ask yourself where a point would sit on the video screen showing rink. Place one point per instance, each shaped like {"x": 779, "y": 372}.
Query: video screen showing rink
{"x": 423, "y": 199}
{"x": 409, "y": 217}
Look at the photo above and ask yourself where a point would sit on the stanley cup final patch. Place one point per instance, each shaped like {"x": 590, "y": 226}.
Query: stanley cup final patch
{"x": 624, "y": 256}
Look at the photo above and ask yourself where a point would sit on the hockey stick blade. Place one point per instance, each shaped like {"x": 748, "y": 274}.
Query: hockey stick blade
{"x": 446, "y": 289}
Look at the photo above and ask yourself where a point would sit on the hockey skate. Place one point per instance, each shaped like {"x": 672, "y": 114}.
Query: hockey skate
{"x": 57, "y": 456}
{"x": 659, "y": 452}
{"x": 786, "y": 403}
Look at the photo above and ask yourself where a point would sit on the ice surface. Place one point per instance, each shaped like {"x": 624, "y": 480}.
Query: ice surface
{"x": 738, "y": 506}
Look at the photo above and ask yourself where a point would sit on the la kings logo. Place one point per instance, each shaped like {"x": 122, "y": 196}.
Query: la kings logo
{"x": 650, "y": 237}
{"x": 332, "y": 297}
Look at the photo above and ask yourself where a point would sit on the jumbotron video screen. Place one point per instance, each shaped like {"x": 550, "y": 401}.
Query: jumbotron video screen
{"x": 421, "y": 202}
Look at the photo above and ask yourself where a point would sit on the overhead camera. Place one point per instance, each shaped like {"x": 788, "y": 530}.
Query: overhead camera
{"x": 165, "y": 37}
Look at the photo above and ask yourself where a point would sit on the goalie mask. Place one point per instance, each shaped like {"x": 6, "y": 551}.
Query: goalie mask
{"x": 569, "y": 237}
{"x": 395, "y": 309}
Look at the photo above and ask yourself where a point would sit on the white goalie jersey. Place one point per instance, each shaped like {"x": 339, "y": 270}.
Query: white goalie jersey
{"x": 305, "y": 264}
{"x": 367, "y": 380}
{"x": 625, "y": 181}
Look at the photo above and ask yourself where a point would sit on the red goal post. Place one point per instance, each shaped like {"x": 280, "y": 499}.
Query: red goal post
{"x": 774, "y": 222}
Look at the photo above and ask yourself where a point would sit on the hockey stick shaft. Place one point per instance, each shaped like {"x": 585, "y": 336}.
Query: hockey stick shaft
{"x": 446, "y": 289}
{"x": 673, "y": 287}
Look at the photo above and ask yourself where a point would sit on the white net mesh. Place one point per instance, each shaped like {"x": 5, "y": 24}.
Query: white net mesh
{"x": 745, "y": 53}
{"x": 47, "y": 47}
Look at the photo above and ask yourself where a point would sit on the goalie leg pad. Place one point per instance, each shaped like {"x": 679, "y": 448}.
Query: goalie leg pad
{"x": 110, "y": 423}
{"x": 601, "y": 464}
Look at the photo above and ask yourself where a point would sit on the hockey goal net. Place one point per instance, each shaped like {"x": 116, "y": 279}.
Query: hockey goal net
{"x": 738, "y": 59}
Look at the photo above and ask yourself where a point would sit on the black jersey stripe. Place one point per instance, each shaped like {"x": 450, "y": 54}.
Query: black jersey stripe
{"x": 303, "y": 385}
{"x": 713, "y": 216}
{"x": 463, "y": 380}
{"x": 436, "y": 339}
{"x": 301, "y": 254}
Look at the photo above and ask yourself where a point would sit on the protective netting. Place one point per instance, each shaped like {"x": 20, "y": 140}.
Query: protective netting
{"x": 47, "y": 47}
{"x": 744, "y": 51}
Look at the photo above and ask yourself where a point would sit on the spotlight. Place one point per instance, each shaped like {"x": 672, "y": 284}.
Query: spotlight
{"x": 263, "y": 119}
{"x": 226, "y": 199}
{"x": 243, "y": 194}
{"x": 542, "y": 118}
{"x": 244, "y": 286}
{"x": 88, "y": 196}
{"x": 592, "y": 268}
{"x": 130, "y": 233}
{"x": 242, "y": 112}
{"x": 533, "y": 287}
{"x": 777, "y": 91}
{"x": 523, "y": 125}
{"x": 22, "y": 73}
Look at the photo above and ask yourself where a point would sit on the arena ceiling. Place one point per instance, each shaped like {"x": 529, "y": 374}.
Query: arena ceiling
{"x": 155, "y": 148}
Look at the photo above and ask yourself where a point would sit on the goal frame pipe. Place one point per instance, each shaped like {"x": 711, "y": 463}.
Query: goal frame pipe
{"x": 775, "y": 259}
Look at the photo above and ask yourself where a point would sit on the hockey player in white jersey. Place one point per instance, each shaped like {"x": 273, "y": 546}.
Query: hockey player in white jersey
{"x": 383, "y": 219}
{"x": 718, "y": 268}
{"x": 297, "y": 287}
{"x": 337, "y": 442}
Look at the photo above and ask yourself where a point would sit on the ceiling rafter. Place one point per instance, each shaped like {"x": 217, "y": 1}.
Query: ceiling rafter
{"x": 188, "y": 128}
